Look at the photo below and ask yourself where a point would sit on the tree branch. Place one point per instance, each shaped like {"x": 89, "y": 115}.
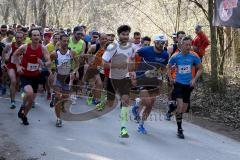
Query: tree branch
{"x": 199, "y": 5}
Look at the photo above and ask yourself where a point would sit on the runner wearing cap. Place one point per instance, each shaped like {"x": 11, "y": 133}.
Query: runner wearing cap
{"x": 149, "y": 78}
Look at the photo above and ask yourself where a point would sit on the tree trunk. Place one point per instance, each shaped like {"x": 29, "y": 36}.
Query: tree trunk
{"x": 236, "y": 35}
{"x": 214, "y": 50}
{"x": 6, "y": 14}
{"x": 42, "y": 13}
{"x": 35, "y": 12}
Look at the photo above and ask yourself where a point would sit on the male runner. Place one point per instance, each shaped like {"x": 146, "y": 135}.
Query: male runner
{"x": 31, "y": 63}
{"x": 120, "y": 54}
{"x": 65, "y": 76}
{"x": 11, "y": 66}
{"x": 184, "y": 82}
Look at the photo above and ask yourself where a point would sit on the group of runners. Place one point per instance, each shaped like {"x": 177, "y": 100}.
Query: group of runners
{"x": 65, "y": 62}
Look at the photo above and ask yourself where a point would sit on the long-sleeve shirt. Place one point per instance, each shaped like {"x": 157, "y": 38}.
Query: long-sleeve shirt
{"x": 201, "y": 42}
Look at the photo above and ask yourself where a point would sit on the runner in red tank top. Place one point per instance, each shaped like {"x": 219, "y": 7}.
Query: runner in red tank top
{"x": 28, "y": 70}
{"x": 11, "y": 66}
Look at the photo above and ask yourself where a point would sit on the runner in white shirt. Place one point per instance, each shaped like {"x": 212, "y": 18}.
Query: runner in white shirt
{"x": 121, "y": 55}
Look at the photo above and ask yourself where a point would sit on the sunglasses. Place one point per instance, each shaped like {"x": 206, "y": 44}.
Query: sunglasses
{"x": 160, "y": 42}
{"x": 80, "y": 34}
{"x": 95, "y": 37}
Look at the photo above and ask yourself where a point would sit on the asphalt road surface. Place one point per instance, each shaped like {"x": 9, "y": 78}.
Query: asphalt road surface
{"x": 98, "y": 139}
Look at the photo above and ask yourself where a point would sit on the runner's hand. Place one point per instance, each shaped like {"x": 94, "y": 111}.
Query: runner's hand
{"x": 133, "y": 78}
{"x": 40, "y": 61}
{"x": 20, "y": 69}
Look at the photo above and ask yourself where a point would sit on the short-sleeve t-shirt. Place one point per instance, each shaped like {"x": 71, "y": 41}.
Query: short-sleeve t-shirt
{"x": 151, "y": 57}
{"x": 118, "y": 54}
{"x": 184, "y": 64}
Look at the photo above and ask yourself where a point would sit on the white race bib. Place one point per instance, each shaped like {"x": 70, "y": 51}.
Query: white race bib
{"x": 64, "y": 68}
{"x": 184, "y": 69}
{"x": 32, "y": 67}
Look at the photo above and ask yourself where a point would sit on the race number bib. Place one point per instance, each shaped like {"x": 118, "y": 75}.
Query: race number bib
{"x": 184, "y": 69}
{"x": 32, "y": 67}
{"x": 64, "y": 68}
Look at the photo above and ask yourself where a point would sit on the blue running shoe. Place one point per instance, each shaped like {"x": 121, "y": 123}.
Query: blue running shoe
{"x": 95, "y": 102}
{"x": 141, "y": 129}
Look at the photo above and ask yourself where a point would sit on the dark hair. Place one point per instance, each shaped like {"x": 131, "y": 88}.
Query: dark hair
{"x": 10, "y": 32}
{"x": 123, "y": 28}
{"x": 33, "y": 29}
{"x": 186, "y": 38}
{"x": 180, "y": 32}
{"x": 84, "y": 27}
{"x": 146, "y": 38}
{"x": 136, "y": 34}
{"x": 24, "y": 29}
{"x": 63, "y": 35}
{"x": 77, "y": 28}
{"x": 3, "y": 26}
{"x": 19, "y": 26}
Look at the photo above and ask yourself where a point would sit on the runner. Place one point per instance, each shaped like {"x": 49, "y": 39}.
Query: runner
{"x": 28, "y": 69}
{"x": 94, "y": 37}
{"x": 11, "y": 67}
{"x": 184, "y": 82}
{"x": 173, "y": 49}
{"x": 146, "y": 41}
{"x": 78, "y": 45}
{"x": 95, "y": 72}
{"x": 153, "y": 59}
{"x": 200, "y": 42}
{"x": 119, "y": 54}
{"x": 51, "y": 47}
{"x": 64, "y": 77}
{"x": 111, "y": 38}
{"x": 3, "y": 32}
{"x": 3, "y": 67}
{"x": 9, "y": 38}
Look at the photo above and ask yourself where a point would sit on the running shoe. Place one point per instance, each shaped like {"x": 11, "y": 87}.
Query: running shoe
{"x": 95, "y": 102}
{"x": 21, "y": 112}
{"x": 100, "y": 106}
{"x": 141, "y": 129}
{"x": 168, "y": 116}
{"x": 25, "y": 120}
{"x": 180, "y": 134}
{"x": 124, "y": 133}
{"x": 59, "y": 123}
{"x": 13, "y": 106}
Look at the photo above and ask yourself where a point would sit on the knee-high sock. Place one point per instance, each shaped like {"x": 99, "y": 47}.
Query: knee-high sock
{"x": 124, "y": 116}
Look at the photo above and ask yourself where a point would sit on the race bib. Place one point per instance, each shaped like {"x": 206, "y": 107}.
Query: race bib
{"x": 184, "y": 69}
{"x": 64, "y": 68}
{"x": 32, "y": 67}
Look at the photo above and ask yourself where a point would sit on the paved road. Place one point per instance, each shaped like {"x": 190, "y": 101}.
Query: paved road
{"x": 97, "y": 139}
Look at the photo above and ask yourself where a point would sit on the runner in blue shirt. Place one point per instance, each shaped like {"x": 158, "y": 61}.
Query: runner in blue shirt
{"x": 153, "y": 60}
{"x": 185, "y": 82}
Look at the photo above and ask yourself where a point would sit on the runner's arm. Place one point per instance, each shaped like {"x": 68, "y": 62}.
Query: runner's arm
{"x": 20, "y": 51}
{"x": 47, "y": 58}
{"x": 5, "y": 54}
{"x": 199, "y": 68}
